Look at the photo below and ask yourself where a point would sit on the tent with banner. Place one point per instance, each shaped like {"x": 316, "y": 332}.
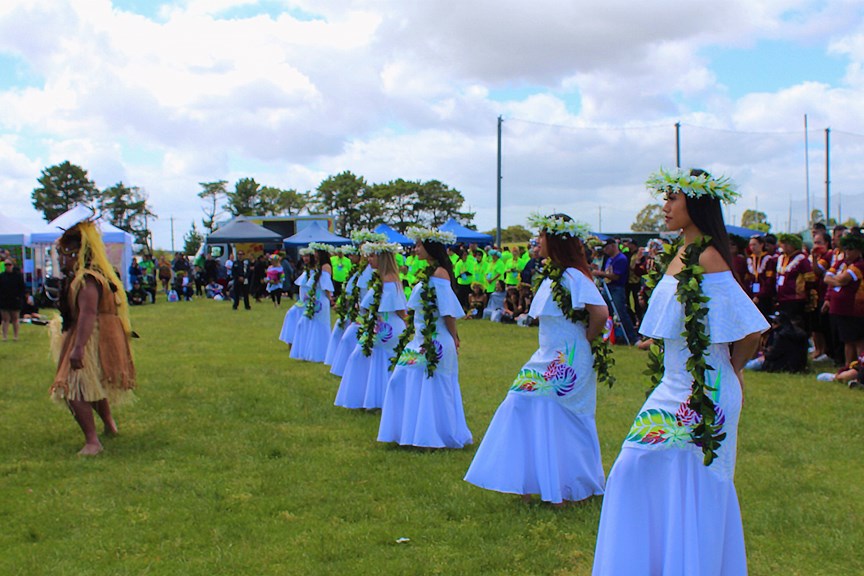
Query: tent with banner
{"x": 315, "y": 232}
{"x": 118, "y": 243}
{"x": 393, "y": 235}
{"x": 465, "y": 235}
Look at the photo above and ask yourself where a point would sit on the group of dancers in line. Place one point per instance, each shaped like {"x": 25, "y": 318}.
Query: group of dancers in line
{"x": 670, "y": 505}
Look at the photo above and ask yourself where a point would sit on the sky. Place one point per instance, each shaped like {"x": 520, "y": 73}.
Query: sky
{"x": 164, "y": 95}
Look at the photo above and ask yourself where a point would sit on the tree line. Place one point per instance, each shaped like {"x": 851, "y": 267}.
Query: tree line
{"x": 354, "y": 202}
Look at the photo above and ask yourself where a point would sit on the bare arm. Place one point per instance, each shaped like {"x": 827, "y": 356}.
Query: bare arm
{"x": 450, "y": 323}
{"x": 597, "y": 315}
{"x": 742, "y": 351}
{"x": 88, "y": 305}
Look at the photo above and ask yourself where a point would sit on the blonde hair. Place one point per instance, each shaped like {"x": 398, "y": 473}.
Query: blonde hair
{"x": 387, "y": 265}
{"x": 93, "y": 257}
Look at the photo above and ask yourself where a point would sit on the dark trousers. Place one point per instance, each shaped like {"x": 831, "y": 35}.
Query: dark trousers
{"x": 241, "y": 290}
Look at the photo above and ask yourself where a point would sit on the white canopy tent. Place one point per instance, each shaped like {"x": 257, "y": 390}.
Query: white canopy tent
{"x": 118, "y": 242}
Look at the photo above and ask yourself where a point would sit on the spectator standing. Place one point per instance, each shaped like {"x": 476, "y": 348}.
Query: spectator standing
{"x": 795, "y": 279}
{"x": 760, "y": 281}
{"x": 615, "y": 274}
{"x": 275, "y": 277}
{"x": 846, "y": 305}
{"x": 12, "y": 291}
{"x": 241, "y": 272}
{"x": 164, "y": 271}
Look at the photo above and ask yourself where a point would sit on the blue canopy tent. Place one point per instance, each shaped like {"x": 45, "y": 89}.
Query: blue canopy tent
{"x": 743, "y": 232}
{"x": 315, "y": 232}
{"x": 465, "y": 235}
{"x": 393, "y": 235}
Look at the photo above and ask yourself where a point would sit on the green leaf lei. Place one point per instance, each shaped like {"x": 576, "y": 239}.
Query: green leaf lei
{"x": 600, "y": 348}
{"x": 429, "y": 300}
{"x": 312, "y": 295}
{"x": 366, "y": 334}
{"x": 430, "y": 329}
{"x": 706, "y": 434}
{"x": 346, "y": 302}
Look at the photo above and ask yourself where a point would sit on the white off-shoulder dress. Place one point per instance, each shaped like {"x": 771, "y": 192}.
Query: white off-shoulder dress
{"x": 292, "y": 316}
{"x": 419, "y": 410}
{"x": 665, "y": 512}
{"x": 543, "y": 437}
{"x": 312, "y": 335}
{"x": 349, "y": 337}
{"x": 339, "y": 326}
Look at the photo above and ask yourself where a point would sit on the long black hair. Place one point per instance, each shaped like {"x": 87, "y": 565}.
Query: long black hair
{"x": 438, "y": 253}
{"x": 706, "y": 212}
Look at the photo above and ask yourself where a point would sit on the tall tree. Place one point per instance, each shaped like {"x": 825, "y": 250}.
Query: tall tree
{"x": 437, "y": 203}
{"x": 755, "y": 220}
{"x": 243, "y": 201}
{"x": 400, "y": 199}
{"x": 342, "y": 195}
{"x": 276, "y": 202}
{"x": 515, "y": 233}
{"x": 126, "y": 208}
{"x": 192, "y": 240}
{"x": 212, "y": 193}
{"x": 649, "y": 219}
{"x": 62, "y": 186}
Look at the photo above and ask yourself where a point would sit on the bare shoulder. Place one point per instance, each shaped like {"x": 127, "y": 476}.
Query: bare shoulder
{"x": 712, "y": 261}
{"x": 392, "y": 278}
{"x": 440, "y": 272}
{"x": 327, "y": 268}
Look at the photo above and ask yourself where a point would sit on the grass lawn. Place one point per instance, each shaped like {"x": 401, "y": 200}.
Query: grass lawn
{"x": 235, "y": 461}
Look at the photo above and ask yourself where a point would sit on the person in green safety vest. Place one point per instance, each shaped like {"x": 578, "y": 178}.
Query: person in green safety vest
{"x": 511, "y": 270}
{"x": 464, "y": 270}
{"x": 341, "y": 265}
{"x": 495, "y": 270}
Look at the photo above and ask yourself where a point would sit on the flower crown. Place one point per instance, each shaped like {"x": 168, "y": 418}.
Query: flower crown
{"x": 430, "y": 235}
{"x": 346, "y": 250}
{"x": 379, "y": 247}
{"x": 559, "y": 226}
{"x": 306, "y": 251}
{"x": 364, "y": 235}
{"x": 704, "y": 184}
{"x": 321, "y": 246}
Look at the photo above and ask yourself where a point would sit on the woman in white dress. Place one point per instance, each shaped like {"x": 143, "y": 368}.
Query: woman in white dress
{"x": 670, "y": 506}
{"x": 423, "y": 402}
{"x": 349, "y": 337}
{"x": 345, "y": 304}
{"x": 381, "y": 325}
{"x": 292, "y": 316}
{"x": 313, "y": 327}
{"x": 543, "y": 438}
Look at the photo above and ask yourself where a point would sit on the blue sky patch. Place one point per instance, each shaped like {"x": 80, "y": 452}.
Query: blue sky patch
{"x": 773, "y": 65}
{"x": 271, "y": 8}
{"x": 147, "y": 8}
{"x": 16, "y": 73}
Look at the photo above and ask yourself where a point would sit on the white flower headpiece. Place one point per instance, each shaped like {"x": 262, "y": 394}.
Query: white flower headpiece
{"x": 346, "y": 250}
{"x": 306, "y": 251}
{"x": 559, "y": 226}
{"x": 364, "y": 235}
{"x": 379, "y": 247}
{"x": 679, "y": 180}
{"x": 321, "y": 246}
{"x": 430, "y": 235}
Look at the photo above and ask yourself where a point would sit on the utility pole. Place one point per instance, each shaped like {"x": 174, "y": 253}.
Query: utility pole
{"x": 172, "y": 234}
{"x": 678, "y": 145}
{"x": 498, "y": 222}
{"x": 827, "y": 175}
{"x": 807, "y": 167}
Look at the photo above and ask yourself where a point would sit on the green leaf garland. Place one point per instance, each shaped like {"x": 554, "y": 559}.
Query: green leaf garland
{"x": 430, "y": 328}
{"x": 312, "y": 295}
{"x": 366, "y": 334}
{"x": 346, "y": 303}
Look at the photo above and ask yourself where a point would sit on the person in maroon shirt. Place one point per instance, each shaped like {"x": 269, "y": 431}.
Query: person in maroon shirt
{"x": 795, "y": 280}
{"x": 820, "y": 261}
{"x": 846, "y": 305}
{"x": 760, "y": 277}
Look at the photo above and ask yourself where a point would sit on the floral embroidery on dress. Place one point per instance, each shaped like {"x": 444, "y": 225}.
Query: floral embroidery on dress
{"x": 559, "y": 377}
{"x": 411, "y": 357}
{"x": 656, "y": 426}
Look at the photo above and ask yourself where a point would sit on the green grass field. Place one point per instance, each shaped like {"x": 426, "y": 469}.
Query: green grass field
{"x": 235, "y": 461}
